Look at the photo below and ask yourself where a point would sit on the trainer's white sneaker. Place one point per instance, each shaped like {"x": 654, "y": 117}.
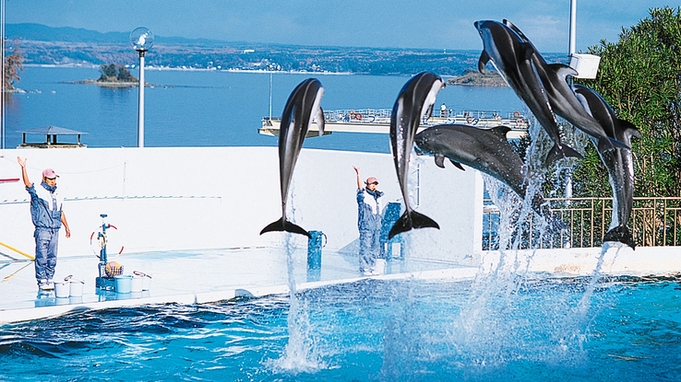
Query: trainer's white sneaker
{"x": 47, "y": 285}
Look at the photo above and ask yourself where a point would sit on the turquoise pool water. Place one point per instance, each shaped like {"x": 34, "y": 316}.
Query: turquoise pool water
{"x": 521, "y": 329}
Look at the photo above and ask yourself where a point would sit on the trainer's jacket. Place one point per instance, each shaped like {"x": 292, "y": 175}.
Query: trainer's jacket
{"x": 46, "y": 206}
{"x": 370, "y": 208}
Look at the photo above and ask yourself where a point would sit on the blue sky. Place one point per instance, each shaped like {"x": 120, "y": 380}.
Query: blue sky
{"x": 435, "y": 24}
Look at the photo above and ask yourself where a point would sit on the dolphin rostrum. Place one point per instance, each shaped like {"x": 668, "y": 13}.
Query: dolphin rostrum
{"x": 563, "y": 100}
{"x": 415, "y": 100}
{"x": 302, "y": 108}
{"x": 513, "y": 59}
{"x": 486, "y": 150}
{"x": 618, "y": 162}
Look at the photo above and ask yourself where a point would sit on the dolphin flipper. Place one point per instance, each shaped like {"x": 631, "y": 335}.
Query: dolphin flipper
{"x": 439, "y": 160}
{"x": 622, "y": 234}
{"x": 319, "y": 118}
{"x": 284, "y": 225}
{"x": 411, "y": 219}
{"x": 482, "y": 61}
{"x": 457, "y": 165}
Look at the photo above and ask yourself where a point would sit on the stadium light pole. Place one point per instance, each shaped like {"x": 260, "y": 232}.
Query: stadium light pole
{"x": 141, "y": 39}
{"x": 2, "y": 76}
{"x": 573, "y": 27}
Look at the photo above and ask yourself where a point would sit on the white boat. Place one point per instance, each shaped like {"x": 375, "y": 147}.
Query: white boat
{"x": 378, "y": 121}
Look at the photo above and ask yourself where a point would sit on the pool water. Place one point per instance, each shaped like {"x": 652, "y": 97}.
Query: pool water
{"x": 523, "y": 329}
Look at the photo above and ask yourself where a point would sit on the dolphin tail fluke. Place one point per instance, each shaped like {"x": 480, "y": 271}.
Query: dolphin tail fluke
{"x": 560, "y": 152}
{"x": 621, "y": 234}
{"x": 409, "y": 220}
{"x": 284, "y": 225}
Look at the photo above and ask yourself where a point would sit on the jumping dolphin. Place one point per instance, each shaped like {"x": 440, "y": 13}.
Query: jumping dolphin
{"x": 618, "y": 162}
{"x": 415, "y": 100}
{"x": 513, "y": 58}
{"x": 486, "y": 150}
{"x": 301, "y": 107}
{"x": 563, "y": 100}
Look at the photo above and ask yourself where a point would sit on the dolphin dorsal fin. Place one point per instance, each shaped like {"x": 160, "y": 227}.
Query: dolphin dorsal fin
{"x": 562, "y": 70}
{"x": 500, "y": 131}
{"x": 629, "y": 129}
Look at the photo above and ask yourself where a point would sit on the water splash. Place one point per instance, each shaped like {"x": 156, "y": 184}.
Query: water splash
{"x": 299, "y": 355}
{"x": 496, "y": 326}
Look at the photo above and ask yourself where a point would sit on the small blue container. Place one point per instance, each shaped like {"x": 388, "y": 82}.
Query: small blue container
{"x": 123, "y": 283}
{"x": 315, "y": 244}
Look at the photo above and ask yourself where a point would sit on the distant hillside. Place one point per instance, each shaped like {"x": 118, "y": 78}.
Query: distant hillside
{"x": 43, "y": 45}
{"x": 39, "y": 32}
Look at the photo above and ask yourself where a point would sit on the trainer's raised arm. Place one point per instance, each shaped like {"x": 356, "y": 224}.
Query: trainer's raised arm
{"x": 24, "y": 174}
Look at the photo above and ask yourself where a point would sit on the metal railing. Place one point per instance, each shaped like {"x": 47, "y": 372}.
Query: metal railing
{"x": 653, "y": 222}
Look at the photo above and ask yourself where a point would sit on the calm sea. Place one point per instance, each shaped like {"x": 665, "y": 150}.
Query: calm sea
{"x": 209, "y": 108}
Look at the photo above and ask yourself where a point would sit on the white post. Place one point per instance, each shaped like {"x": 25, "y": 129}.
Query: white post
{"x": 270, "y": 96}
{"x": 2, "y": 75}
{"x": 140, "y": 105}
{"x": 573, "y": 26}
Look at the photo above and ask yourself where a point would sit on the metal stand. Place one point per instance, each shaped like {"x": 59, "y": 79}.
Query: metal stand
{"x": 103, "y": 282}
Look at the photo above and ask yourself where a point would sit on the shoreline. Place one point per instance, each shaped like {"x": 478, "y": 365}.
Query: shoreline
{"x": 470, "y": 78}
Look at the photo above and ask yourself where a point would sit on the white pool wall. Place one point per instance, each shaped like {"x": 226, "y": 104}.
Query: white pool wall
{"x": 164, "y": 199}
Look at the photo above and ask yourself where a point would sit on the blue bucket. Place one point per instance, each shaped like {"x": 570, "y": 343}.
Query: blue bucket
{"x": 123, "y": 283}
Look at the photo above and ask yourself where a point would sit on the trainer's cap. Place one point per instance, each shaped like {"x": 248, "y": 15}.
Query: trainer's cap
{"x": 371, "y": 180}
{"x": 49, "y": 173}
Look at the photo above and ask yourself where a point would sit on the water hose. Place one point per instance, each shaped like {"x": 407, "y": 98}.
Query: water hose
{"x": 17, "y": 251}
{"x": 15, "y": 272}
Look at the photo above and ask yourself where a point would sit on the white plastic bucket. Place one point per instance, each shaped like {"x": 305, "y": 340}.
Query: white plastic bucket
{"x": 136, "y": 284}
{"x": 123, "y": 283}
{"x": 61, "y": 289}
{"x": 77, "y": 288}
{"x": 146, "y": 279}
{"x": 146, "y": 282}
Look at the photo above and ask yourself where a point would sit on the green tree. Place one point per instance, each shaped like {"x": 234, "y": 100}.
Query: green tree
{"x": 640, "y": 77}
{"x": 124, "y": 75}
{"x": 108, "y": 72}
{"x": 113, "y": 73}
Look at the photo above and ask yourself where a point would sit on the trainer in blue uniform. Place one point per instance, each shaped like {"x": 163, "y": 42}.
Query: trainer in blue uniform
{"x": 369, "y": 221}
{"x": 48, "y": 217}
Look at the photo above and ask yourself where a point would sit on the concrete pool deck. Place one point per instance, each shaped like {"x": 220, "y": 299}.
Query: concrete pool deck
{"x": 188, "y": 277}
{"x": 203, "y": 276}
